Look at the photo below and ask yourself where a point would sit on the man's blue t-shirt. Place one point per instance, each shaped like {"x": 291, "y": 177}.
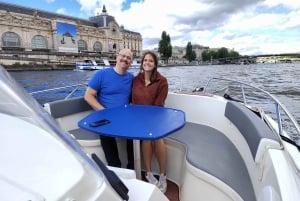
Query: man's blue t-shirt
{"x": 113, "y": 89}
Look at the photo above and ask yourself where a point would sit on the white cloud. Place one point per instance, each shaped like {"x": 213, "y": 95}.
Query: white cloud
{"x": 61, "y": 11}
{"x": 92, "y": 7}
{"x": 249, "y": 26}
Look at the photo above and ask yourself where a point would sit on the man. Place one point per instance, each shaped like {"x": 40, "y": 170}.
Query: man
{"x": 111, "y": 87}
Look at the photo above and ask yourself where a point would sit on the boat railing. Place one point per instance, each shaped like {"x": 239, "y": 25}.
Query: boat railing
{"x": 278, "y": 105}
{"x": 72, "y": 90}
{"x": 178, "y": 84}
{"x": 175, "y": 83}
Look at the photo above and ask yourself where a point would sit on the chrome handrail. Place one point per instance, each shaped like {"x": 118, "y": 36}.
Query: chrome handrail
{"x": 277, "y": 103}
{"x": 75, "y": 86}
{"x": 177, "y": 79}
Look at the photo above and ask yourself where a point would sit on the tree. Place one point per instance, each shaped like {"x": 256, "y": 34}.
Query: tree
{"x": 233, "y": 53}
{"x": 190, "y": 55}
{"x": 205, "y": 55}
{"x": 209, "y": 55}
{"x": 222, "y": 52}
{"x": 165, "y": 47}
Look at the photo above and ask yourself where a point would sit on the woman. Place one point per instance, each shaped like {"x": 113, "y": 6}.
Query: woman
{"x": 151, "y": 88}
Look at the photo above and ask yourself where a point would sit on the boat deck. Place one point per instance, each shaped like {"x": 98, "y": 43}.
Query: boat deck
{"x": 172, "y": 192}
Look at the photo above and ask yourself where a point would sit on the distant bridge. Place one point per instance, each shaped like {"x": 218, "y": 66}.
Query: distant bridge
{"x": 278, "y": 55}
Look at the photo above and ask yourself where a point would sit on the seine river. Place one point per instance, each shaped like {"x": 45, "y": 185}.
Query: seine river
{"x": 281, "y": 80}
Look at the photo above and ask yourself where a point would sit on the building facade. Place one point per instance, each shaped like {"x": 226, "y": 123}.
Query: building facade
{"x": 28, "y": 30}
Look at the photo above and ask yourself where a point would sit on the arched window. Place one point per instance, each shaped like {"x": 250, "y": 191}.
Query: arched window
{"x": 39, "y": 42}
{"x": 97, "y": 47}
{"x": 81, "y": 45}
{"x": 11, "y": 39}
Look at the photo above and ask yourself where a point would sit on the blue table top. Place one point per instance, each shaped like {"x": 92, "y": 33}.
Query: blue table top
{"x": 143, "y": 122}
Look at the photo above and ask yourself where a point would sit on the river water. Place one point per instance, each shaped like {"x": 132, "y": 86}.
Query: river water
{"x": 281, "y": 80}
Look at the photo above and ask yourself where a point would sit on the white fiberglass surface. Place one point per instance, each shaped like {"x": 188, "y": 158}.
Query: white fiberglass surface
{"x": 32, "y": 158}
{"x": 32, "y": 145}
{"x": 16, "y": 102}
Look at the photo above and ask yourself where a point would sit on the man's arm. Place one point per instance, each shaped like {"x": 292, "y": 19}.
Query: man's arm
{"x": 90, "y": 97}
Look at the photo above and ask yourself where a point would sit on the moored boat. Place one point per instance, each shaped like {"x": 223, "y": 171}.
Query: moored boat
{"x": 136, "y": 63}
{"x": 90, "y": 64}
{"x": 231, "y": 148}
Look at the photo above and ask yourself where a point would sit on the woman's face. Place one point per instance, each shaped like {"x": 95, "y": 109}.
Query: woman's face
{"x": 148, "y": 63}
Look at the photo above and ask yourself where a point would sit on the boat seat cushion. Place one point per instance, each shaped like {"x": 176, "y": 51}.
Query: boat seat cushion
{"x": 249, "y": 124}
{"x": 82, "y": 134}
{"x": 59, "y": 108}
{"x": 211, "y": 151}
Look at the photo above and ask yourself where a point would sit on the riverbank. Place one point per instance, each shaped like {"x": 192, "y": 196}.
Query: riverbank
{"x": 27, "y": 67}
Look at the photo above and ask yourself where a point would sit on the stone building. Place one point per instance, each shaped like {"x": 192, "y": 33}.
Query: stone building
{"x": 35, "y": 34}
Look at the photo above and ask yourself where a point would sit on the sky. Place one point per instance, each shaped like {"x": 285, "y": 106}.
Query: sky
{"x": 250, "y": 27}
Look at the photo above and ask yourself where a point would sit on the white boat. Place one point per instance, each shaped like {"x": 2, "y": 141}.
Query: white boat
{"x": 229, "y": 149}
{"x": 90, "y": 64}
{"x": 136, "y": 63}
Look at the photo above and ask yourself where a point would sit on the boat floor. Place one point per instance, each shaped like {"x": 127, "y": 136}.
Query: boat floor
{"x": 172, "y": 192}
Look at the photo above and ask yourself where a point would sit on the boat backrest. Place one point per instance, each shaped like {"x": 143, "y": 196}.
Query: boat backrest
{"x": 68, "y": 112}
{"x": 251, "y": 126}
{"x": 61, "y": 108}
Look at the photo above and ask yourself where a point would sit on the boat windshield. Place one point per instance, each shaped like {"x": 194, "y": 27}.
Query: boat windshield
{"x": 16, "y": 102}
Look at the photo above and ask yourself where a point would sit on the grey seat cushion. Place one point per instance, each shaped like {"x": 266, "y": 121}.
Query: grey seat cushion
{"x": 211, "y": 151}
{"x": 82, "y": 134}
{"x": 61, "y": 108}
{"x": 249, "y": 124}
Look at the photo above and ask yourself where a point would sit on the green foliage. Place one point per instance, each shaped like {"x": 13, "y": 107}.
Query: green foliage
{"x": 220, "y": 53}
{"x": 233, "y": 54}
{"x": 165, "y": 47}
{"x": 208, "y": 55}
{"x": 165, "y": 50}
{"x": 190, "y": 55}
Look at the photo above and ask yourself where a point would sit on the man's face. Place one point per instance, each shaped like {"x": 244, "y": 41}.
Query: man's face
{"x": 124, "y": 58}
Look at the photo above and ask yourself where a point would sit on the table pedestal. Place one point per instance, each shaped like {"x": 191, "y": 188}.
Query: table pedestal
{"x": 137, "y": 158}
